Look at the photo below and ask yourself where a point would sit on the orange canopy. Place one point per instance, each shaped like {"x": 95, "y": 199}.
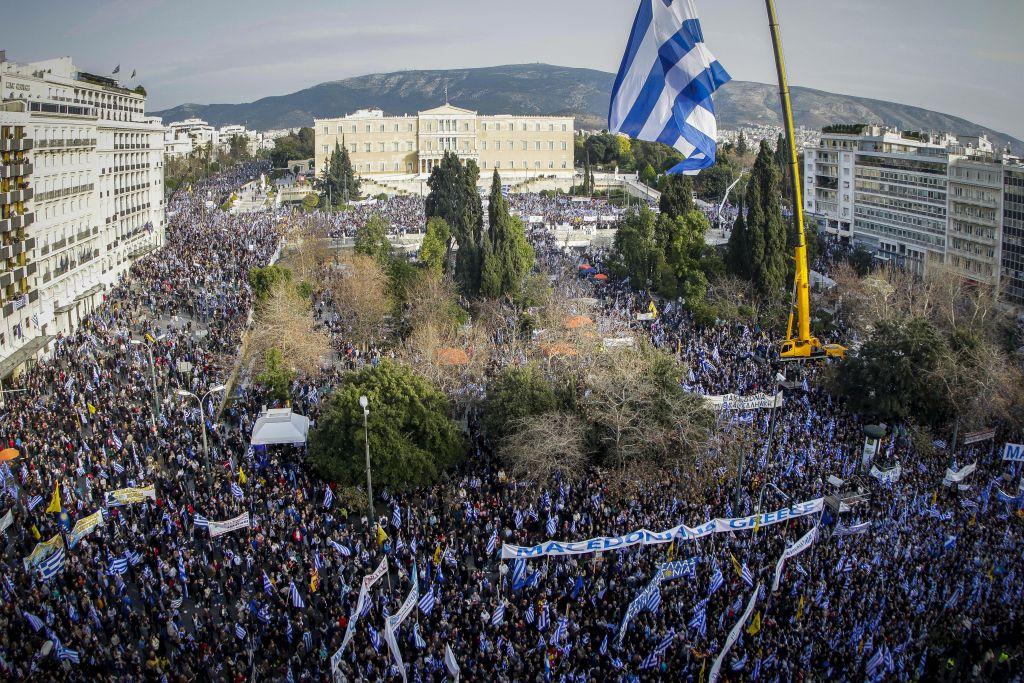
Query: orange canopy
{"x": 451, "y": 357}
{"x": 558, "y": 349}
{"x": 578, "y": 321}
{"x": 9, "y": 454}
{"x": 601, "y": 276}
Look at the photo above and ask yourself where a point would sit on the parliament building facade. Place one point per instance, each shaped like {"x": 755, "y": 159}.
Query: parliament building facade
{"x": 414, "y": 144}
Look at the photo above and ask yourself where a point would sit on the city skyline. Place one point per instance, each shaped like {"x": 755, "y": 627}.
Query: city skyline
{"x": 951, "y": 58}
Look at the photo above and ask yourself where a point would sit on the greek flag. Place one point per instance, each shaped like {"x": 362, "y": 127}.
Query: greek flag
{"x": 663, "y": 90}
{"x": 33, "y": 502}
{"x": 530, "y": 615}
{"x": 328, "y": 497}
{"x": 118, "y": 566}
{"x": 295, "y": 597}
{"x": 552, "y": 525}
{"x": 239, "y": 631}
{"x": 176, "y": 604}
{"x": 417, "y": 638}
{"x": 116, "y": 441}
{"x": 35, "y": 622}
{"x": 52, "y": 565}
{"x": 396, "y": 517}
{"x": 426, "y": 603}
{"x": 745, "y": 575}
{"x": 307, "y": 640}
{"x": 700, "y": 618}
{"x": 339, "y": 547}
{"x": 201, "y": 521}
{"x": 67, "y": 654}
{"x": 542, "y": 621}
{"x": 236, "y": 490}
{"x": 518, "y": 571}
{"x": 268, "y": 587}
{"x": 499, "y": 615}
{"x": 654, "y": 600}
{"x": 717, "y": 581}
{"x": 117, "y": 467}
{"x": 492, "y": 542}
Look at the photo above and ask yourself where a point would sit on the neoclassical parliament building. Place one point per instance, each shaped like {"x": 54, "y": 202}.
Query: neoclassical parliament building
{"x": 411, "y": 145}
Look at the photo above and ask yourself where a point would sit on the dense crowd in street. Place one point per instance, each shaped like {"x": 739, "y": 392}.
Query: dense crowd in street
{"x": 404, "y": 215}
{"x": 914, "y": 582}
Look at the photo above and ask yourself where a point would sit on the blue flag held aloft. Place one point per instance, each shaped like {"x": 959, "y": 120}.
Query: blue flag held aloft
{"x": 663, "y": 89}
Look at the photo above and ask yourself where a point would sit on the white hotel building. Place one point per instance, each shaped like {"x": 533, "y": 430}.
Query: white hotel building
{"x": 88, "y": 167}
{"x": 915, "y": 199}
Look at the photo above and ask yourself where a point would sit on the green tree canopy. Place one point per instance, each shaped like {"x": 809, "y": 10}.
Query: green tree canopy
{"x": 434, "y": 250}
{"x": 757, "y": 246}
{"x": 276, "y": 377}
{"x": 676, "y": 195}
{"x": 518, "y": 393}
{"x": 263, "y": 280}
{"x": 741, "y": 144}
{"x": 891, "y": 377}
{"x": 507, "y": 255}
{"x": 292, "y": 146}
{"x": 413, "y": 440}
{"x": 635, "y": 252}
{"x": 454, "y": 198}
{"x": 372, "y": 239}
{"x": 680, "y": 243}
{"x": 338, "y": 183}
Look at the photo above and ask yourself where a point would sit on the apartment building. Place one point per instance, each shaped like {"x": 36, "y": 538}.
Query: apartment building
{"x": 1012, "y": 247}
{"x": 18, "y": 296}
{"x": 414, "y": 144}
{"x": 915, "y": 199}
{"x": 97, "y": 180}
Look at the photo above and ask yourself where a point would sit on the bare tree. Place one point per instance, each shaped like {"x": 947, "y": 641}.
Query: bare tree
{"x": 285, "y": 322}
{"x": 546, "y": 446}
{"x": 359, "y": 291}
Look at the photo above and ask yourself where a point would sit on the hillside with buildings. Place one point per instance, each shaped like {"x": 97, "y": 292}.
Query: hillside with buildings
{"x": 542, "y": 89}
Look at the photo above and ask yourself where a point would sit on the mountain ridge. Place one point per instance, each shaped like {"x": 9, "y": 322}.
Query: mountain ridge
{"x": 544, "y": 89}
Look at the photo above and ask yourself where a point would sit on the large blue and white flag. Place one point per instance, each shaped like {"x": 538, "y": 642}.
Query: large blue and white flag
{"x": 663, "y": 90}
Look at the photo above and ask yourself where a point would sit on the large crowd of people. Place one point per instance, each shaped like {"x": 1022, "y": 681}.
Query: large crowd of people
{"x": 921, "y": 580}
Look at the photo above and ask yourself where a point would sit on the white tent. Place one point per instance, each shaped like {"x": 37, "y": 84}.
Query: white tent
{"x": 279, "y": 426}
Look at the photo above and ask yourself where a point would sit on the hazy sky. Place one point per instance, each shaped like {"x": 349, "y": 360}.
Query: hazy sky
{"x": 957, "y": 57}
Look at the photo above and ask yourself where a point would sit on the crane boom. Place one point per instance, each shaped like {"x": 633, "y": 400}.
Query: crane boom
{"x": 800, "y": 345}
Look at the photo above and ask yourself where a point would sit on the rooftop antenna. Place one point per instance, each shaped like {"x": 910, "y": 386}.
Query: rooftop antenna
{"x": 446, "y": 92}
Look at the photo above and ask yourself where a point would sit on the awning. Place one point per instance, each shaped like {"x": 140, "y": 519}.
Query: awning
{"x": 279, "y": 426}
{"x": 25, "y": 353}
{"x": 95, "y": 289}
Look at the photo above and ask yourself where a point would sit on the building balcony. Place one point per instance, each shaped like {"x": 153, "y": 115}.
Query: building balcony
{"x": 17, "y": 222}
{"x": 66, "y": 143}
{"x": 12, "y": 145}
{"x": 16, "y": 196}
{"x": 15, "y": 170}
{"x": 15, "y": 248}
{"x": 64, "y": 192}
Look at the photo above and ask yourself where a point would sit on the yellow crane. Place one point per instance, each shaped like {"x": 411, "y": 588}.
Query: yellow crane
{"x": 798, "y": 344}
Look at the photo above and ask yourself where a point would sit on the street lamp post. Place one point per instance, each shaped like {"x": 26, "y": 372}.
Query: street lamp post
{"x": 152, "y": 376}
{"x": 185, "y": 393}
{"x": 364, "y": 403}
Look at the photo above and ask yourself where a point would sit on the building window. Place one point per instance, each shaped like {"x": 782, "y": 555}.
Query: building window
{"x": 339, "y": 130}
{"x": 497, "y": 145}
{"x": 325, "y": 130}
{"x": 325, "y": 149}
{"x": 526, "y": 145}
